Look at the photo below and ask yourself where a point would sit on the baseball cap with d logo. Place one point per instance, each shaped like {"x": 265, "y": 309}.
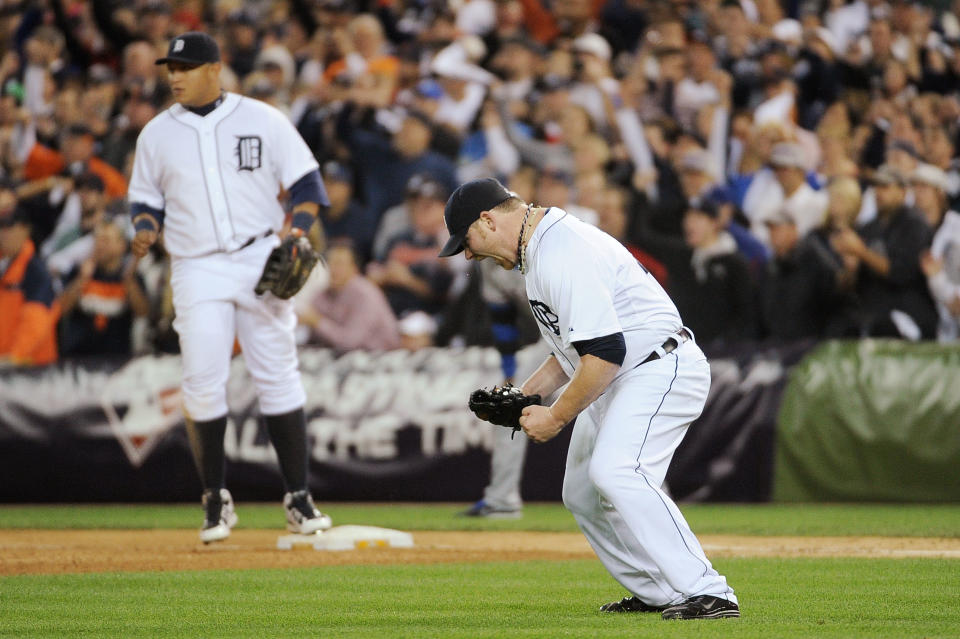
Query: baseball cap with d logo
{"x": 465, "y": 206}
{"x": 193, "y": 47}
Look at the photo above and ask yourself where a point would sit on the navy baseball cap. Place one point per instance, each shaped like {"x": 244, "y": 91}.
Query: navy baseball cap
{"x": 465, "y": 206}
{"x": 192, "y": 47}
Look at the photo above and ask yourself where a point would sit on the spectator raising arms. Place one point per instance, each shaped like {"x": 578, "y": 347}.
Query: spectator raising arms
{"x": 102, "y": 296}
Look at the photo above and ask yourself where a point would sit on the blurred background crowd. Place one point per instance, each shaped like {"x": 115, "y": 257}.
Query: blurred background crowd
{"x": 787, "y": 169}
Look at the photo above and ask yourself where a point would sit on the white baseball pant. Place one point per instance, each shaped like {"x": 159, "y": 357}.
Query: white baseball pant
{"x": 214, "y": 302}
{"x": 619, "y": 452}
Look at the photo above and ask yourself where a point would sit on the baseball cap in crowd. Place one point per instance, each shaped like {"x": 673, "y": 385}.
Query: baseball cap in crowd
{"x": 527, "y": 43}
{"x": 333, "y": 170}
{"x": 550, "y": 82}
{"x": 788, "y": 154}
{"x": 417, "y": 323}
{"x": 78, "y": 129}
{"x": 160, "y": 7}
{"x": 192, "y": 47}
{"x": 905, "y": 146}
{"x": 720, "y": 195}
{"x": 420, "y": 116}
{"x": 242, "y": 17}
{"x": 423, "y": 185}
{"x": 101, "y": 74}
{"x": 930, "y": 175}
{"x": 14, "y": 88}
{"x": 557, "y": 174}
{"x": 89, "y": 181}
{"x": 787, "y": 30}
{"x": 594, "y": 44}
{"x": 465, "y": 206}
{"x": 429, "y": 89}
{"x": 886, "y": 175}
{"x": 826, "y": 36}
{"x": 697, "y": 160}
{"x": 705, "y": 206}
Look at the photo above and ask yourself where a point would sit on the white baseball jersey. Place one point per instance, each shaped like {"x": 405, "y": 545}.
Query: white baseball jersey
{"x": 218, "y": 176}
{"x": 583, "y": 284}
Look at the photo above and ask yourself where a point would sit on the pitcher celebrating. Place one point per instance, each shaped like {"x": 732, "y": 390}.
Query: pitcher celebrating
{"x": 636, "y": 380}
{"x": 207, "y": 172}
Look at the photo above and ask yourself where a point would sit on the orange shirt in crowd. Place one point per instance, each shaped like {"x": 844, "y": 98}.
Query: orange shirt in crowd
{"x": 43, "y": 162}
{"x": 28, "y": 312}
{"x": 386, "y": 65}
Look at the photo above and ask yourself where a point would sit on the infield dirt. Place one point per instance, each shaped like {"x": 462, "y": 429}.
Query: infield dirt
{"x": 78, "y": 551}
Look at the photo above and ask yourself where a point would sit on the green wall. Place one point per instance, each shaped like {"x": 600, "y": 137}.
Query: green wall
{"x": 871, "y": 420}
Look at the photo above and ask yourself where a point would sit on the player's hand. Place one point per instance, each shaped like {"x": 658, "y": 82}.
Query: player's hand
{"x": 142, "y": 242}
{"x": 540, "y": 424}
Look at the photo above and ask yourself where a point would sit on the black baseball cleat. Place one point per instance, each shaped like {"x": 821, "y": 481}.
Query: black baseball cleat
{"x": 302, "y": 515}
{"x": 630, "y": 604}
{"x": 703, "y": 607}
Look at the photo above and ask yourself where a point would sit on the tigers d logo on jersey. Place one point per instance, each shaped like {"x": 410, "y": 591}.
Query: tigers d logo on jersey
{"x": 545, "y": 316}
{"x": 249, "y": 152}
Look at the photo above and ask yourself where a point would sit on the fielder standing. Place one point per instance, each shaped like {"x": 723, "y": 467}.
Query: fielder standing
{"x": 636, "y": 380}
{"x": 207, "y": 172}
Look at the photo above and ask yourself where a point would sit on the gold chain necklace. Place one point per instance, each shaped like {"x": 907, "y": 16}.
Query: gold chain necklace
{"x": 521, "y": 253}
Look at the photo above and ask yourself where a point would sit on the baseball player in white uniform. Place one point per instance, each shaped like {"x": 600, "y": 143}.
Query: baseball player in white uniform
{"x": 207, "y": 172}
{"x": 636, "y": 381}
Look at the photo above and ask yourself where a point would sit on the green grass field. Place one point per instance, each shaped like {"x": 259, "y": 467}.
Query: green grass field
{"x": 790, "y": 598}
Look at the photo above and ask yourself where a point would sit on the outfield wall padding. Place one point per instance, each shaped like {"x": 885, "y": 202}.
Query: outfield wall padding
{"x": 871, "y": 420}
{"x": 387, "y": 427}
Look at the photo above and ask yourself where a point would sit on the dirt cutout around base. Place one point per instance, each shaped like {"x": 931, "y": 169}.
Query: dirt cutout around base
{"x": 24, "y": 552}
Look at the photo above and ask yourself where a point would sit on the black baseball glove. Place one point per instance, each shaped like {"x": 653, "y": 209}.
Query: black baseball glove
{"x": 501, "y": 405}
{"x": 288, "y": 267}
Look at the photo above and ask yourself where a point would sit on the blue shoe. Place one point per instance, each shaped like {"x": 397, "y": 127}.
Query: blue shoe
{"x": 483, "y": 509}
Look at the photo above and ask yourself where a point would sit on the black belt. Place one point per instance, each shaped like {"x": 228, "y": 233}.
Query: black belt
{"x": 673, "y": 342}
{"x": 255, "y": 238}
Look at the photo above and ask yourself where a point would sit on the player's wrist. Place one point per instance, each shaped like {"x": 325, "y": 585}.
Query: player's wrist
{"x": 145, "y": 222}
{"x": 302, "y": 222}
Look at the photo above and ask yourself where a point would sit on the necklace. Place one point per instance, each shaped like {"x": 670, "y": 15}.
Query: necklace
{"x": 521, "y": 252}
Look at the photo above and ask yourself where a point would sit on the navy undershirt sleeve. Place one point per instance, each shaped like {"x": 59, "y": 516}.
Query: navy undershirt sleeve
{"x": 136, "y": 208}
{"x": 610, "y": 348}
{"x": 309, "y": 188}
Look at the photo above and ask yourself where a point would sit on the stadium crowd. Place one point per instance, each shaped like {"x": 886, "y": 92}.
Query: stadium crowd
{"x": 787, "y": 169}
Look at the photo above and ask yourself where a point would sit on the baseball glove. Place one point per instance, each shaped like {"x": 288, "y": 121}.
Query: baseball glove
{"x": 288, "y": 267}
{"x": 501, "y": 405}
